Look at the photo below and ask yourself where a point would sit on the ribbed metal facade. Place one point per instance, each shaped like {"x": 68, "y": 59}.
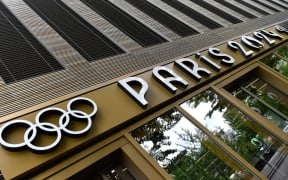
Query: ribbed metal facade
{"x": 55, "y": 47}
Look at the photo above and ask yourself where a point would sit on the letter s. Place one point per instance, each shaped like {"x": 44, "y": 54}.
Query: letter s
{"x": 225, "y": 58}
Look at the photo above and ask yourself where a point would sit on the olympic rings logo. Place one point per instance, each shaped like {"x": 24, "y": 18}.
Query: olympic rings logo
{"x": 49, "y": 128}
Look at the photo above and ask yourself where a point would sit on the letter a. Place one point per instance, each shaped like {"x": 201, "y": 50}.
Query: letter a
{"x": 167, "y": 81}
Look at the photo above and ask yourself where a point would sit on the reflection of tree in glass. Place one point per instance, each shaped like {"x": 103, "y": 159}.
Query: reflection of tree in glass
{"x": 283, "y": 51}
{"x": 247, "y": 138}
{"x": 278, "y": 60}
{"x": 205, "y": 97}
{"x": 193, "y": 156}
{"x": 269, "y": 98}
{"x": 262, "y": 109}
{"x": 277, "y": 63}
{"x": 242, "y": 130}
{"x": 198, "y": 160}
{"x": 282, "y": 66}
{"x": 262, "y": 97}
{"x": 154, "y": 131}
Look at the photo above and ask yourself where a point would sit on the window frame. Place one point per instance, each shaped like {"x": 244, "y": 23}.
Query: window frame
{"x": 267, "y": 73}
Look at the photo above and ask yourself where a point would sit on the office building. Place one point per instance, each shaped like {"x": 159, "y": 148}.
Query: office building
{"x": 154, "y": 89}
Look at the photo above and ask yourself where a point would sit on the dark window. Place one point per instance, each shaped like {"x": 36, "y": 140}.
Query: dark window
{"x": 193, "y": 14}
{"x": 89, "y": 42}
{"x": 159, "y": 15}
{"x": 1, "y": 176}
{"x": 133, "y": 28}
{"x": 21, "y": 55}
{"x": 217, "y": 11}
{"x": 237, "y": 9}
{"x": 115, "y": 166}
{"x": 253, "y": 7}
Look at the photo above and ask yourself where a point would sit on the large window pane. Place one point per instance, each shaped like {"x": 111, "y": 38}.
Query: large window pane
{"x": 262, "y": 97}
{"x": 184, "y": 151}
{"x": 283, "y": 51}
{"x": 239, "y": 132}
{"x": 278, "y": 60}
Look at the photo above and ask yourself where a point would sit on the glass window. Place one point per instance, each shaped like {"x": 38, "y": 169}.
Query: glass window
{"x": 1, "y": 176}
{"x": 278, "y": 60}
{"x": 239, "y": 132}
{"x": 115, "y": 166}
{"x": 184, "y": 151}
{"x": 283, "y": 52}
{"x": 262, "y": 97}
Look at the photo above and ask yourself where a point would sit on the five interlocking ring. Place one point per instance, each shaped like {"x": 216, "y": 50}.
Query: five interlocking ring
{"x": 64, "y": 120}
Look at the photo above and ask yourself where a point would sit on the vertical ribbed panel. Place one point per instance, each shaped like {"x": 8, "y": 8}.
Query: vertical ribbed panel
{"x": 133, "y": 28}
{"x": 164, "y": 18}
{"x": 145, "y": 19}
{"x": 253, "y": 7}
{"x": 237, "y": 9}
{"x": 88, "y": 41}
{"x": 21, "y": 55}
{"x": 217, "y": 11}
{"x": 102, "y": 25}
{"x": 81, "y": 74}
{"x": 267, "y": 6}
{"x": 193, "y": 14}
{"x": 279, "y": 4}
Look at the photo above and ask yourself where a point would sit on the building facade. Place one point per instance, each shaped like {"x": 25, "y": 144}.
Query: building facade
{"x": 127, "y": 89}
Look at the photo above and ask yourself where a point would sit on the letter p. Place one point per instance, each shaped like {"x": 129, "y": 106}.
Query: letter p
{"x": 138, "y": 96}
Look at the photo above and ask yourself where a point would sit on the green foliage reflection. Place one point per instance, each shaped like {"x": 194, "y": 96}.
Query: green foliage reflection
{"x": 154, "y": 132}
{"x": 283, "y": 51}
{"x": 278, "y": 60}
{"x": 234, "y": 128}
{"x": 262, "y": 98}
{"x": 243, "y": 135}
{"x": 185, "y": 151}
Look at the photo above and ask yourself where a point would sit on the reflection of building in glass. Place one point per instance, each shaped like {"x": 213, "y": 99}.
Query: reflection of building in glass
{"x": 213, "y": 73}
